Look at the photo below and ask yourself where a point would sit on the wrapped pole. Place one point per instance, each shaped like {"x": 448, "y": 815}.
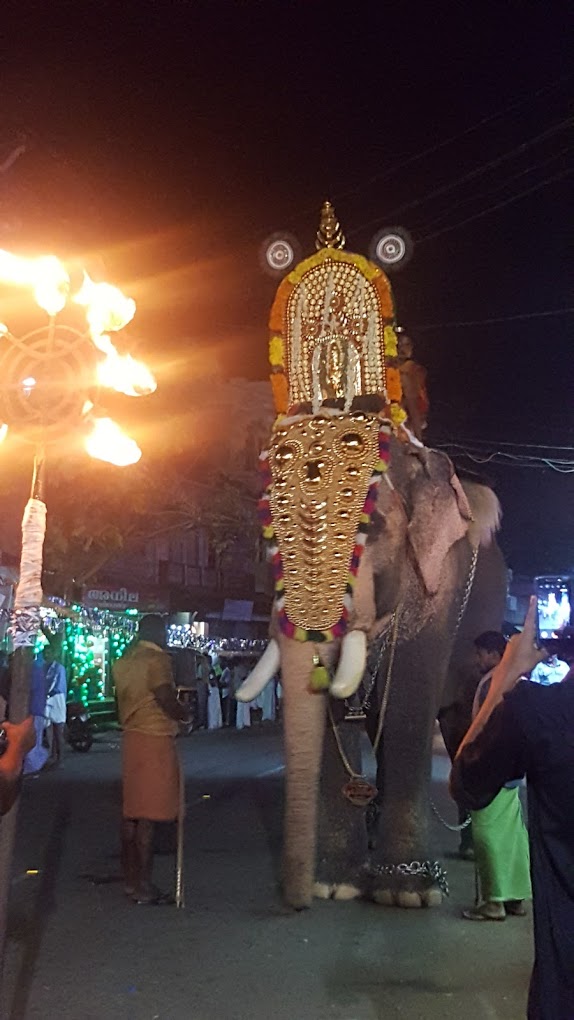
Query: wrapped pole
{"x": 24, "y": 630}
{"x": 179, "y": 860}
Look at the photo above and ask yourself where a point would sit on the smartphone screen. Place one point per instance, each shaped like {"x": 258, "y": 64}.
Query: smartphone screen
{"x": 553, "y": 610}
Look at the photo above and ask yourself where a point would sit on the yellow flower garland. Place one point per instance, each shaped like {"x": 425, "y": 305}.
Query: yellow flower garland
{"x": 390, "y": 339}
{"x": 276, "y": 352}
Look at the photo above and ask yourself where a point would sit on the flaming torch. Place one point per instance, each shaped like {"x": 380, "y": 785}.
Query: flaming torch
{"x": 49, "y": 385}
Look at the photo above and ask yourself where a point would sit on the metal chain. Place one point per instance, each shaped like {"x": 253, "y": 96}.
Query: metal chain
{"x": 391, "y": 633}
{"x": 340, "y": 748}
{"x": 467, "y": 590}
{"x": 387, "y": 687}
{"x": 461, "y": 612}
{"x": 383, "y": 645}
{"x": 451, "y": 828}
{"x": 432, "y": 870}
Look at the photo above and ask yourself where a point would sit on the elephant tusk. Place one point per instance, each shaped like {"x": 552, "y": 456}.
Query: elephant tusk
{"x": 261, "y": 674}
{"x": 351, "y": 666}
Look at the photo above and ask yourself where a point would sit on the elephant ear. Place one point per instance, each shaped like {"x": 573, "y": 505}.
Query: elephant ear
{"x": 440, "y": 516}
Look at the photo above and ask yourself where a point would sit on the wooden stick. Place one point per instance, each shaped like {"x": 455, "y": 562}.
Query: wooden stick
{"x": 179, "y": 880}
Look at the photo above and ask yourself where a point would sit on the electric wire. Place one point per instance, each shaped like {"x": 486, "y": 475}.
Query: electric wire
{"x": 518, "y": 317}
{"x": 494, "y": 456}
{"x": 499, "y": 205}
{"x": 468, "y": 442}
{"x": 431, "y": 149}
{"x": 469, "y": 176}
{"x": 491, "y": 190}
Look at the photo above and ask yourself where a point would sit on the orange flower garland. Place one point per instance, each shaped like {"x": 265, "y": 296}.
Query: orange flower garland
{"x": 280, "y": 391}
{"x": 394, "y": 388}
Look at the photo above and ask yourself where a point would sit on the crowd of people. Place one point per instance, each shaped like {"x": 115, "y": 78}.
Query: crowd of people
{"x": 212, "y": 685}
{"x": 521, "y": 729}
{"x": 515, "y": 728}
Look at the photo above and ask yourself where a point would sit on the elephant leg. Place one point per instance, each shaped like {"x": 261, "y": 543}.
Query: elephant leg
{"x": 304, "y": 727}
{"x": 342, "y": 833}
{"x": 404, "y": 772}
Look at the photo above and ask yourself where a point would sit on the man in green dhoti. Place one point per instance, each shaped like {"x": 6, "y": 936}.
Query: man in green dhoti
{"x": 500, "y": 838}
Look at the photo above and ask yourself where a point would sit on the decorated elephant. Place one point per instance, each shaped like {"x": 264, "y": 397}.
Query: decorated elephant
{"x": 385, "y": 569}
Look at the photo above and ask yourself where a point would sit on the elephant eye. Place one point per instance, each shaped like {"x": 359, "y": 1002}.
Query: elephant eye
{"x": 352, "y": 441}
{"x": 285, "y": 453}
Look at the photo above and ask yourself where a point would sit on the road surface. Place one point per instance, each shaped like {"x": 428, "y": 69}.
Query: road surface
{"x": 79, "y": 951}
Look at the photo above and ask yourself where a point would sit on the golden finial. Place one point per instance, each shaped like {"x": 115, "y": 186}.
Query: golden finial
{"x": 329, "y": 234}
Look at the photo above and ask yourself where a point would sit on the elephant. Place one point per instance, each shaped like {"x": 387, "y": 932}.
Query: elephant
{"x": 431, "y": 577}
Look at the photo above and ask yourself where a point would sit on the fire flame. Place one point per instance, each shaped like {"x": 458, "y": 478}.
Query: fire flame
{"x": 123, "y": 373}
{"x": 46, "y": 276}
{"x": 108, "y": 309}
{"x": 108, "y": 442}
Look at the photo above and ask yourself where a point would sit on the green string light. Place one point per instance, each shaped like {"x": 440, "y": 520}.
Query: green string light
{"x": 89, "y": 657}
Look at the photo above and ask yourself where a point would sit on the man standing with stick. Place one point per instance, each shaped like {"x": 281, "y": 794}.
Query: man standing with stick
{"x": 149, "y": 712}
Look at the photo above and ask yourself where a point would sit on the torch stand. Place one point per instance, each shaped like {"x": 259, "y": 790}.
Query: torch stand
{"x": 18, "y": 710}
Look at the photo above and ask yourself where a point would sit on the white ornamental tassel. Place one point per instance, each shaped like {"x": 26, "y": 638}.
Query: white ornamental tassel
{"x": 352, "y": 382}
{"x": 315, "y": 380}
{"x": 329, "y": 288}
{"x": 372, "y": 347}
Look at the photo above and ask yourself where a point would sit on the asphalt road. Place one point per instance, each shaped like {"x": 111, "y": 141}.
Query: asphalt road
{"x": 79, "y": 951}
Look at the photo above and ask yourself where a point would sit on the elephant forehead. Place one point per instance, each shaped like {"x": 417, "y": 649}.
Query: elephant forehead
{"x": 321, "y": 468}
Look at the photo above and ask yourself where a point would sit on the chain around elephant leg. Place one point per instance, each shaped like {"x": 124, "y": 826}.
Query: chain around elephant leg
{"x": 409, "y": 884}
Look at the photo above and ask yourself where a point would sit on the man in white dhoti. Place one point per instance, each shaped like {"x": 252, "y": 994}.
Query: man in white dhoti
{"x": 56, "y": 702}
{"x": 266, "y": 701}
{"x": 243, "y": 717}
{"x": 214, "y": 716}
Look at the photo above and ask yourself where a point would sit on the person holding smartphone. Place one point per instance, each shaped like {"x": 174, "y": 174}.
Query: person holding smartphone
{"x": 16, "y": 741}
{"x": 524, "y": 728}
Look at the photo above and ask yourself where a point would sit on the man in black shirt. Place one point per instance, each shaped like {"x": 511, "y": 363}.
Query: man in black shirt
{"x": 524, "y": 728}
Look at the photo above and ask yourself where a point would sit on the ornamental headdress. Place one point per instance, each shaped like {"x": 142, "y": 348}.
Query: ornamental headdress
{"x": 337, "y": 390}
{"x": 333, "y": 333}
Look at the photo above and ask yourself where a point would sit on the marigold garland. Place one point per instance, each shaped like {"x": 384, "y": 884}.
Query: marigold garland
{"x": 390, "y": 340}
{"x": 276, "y": 352}
{"x": 397, "y": 414}
{"x": 280, "y": 391}
{"x": 394, "y": 388}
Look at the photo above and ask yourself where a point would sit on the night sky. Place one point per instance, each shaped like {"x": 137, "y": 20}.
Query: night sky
{"x": 166, "y": 140}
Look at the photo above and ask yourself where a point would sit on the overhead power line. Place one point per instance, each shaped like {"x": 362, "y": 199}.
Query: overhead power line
{"x": 487, "y": 322}
{"x": 471, "y": 175}
{"x": 561, "y": 465}
{"x": 383, "y": 175}
{"x": 499, "y": 205}
{"x": 468, "y": 442}
{"x": 489, "y": 191}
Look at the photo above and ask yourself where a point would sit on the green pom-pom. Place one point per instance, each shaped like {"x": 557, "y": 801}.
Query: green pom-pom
{"x": 319, "y": 678}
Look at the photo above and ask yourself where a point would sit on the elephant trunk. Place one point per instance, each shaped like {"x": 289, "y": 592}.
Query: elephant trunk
{"x": 304, "y": 726}
{"x": 352, "y": 662}
{"x": 262, "y": 673}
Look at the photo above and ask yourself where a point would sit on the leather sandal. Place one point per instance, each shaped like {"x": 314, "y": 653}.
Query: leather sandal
{"x": 515, "y": 908}
{"x": 485, "y": 913}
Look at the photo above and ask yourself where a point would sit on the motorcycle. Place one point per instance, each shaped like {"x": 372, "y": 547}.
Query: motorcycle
{"x": 79, "y": 729}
